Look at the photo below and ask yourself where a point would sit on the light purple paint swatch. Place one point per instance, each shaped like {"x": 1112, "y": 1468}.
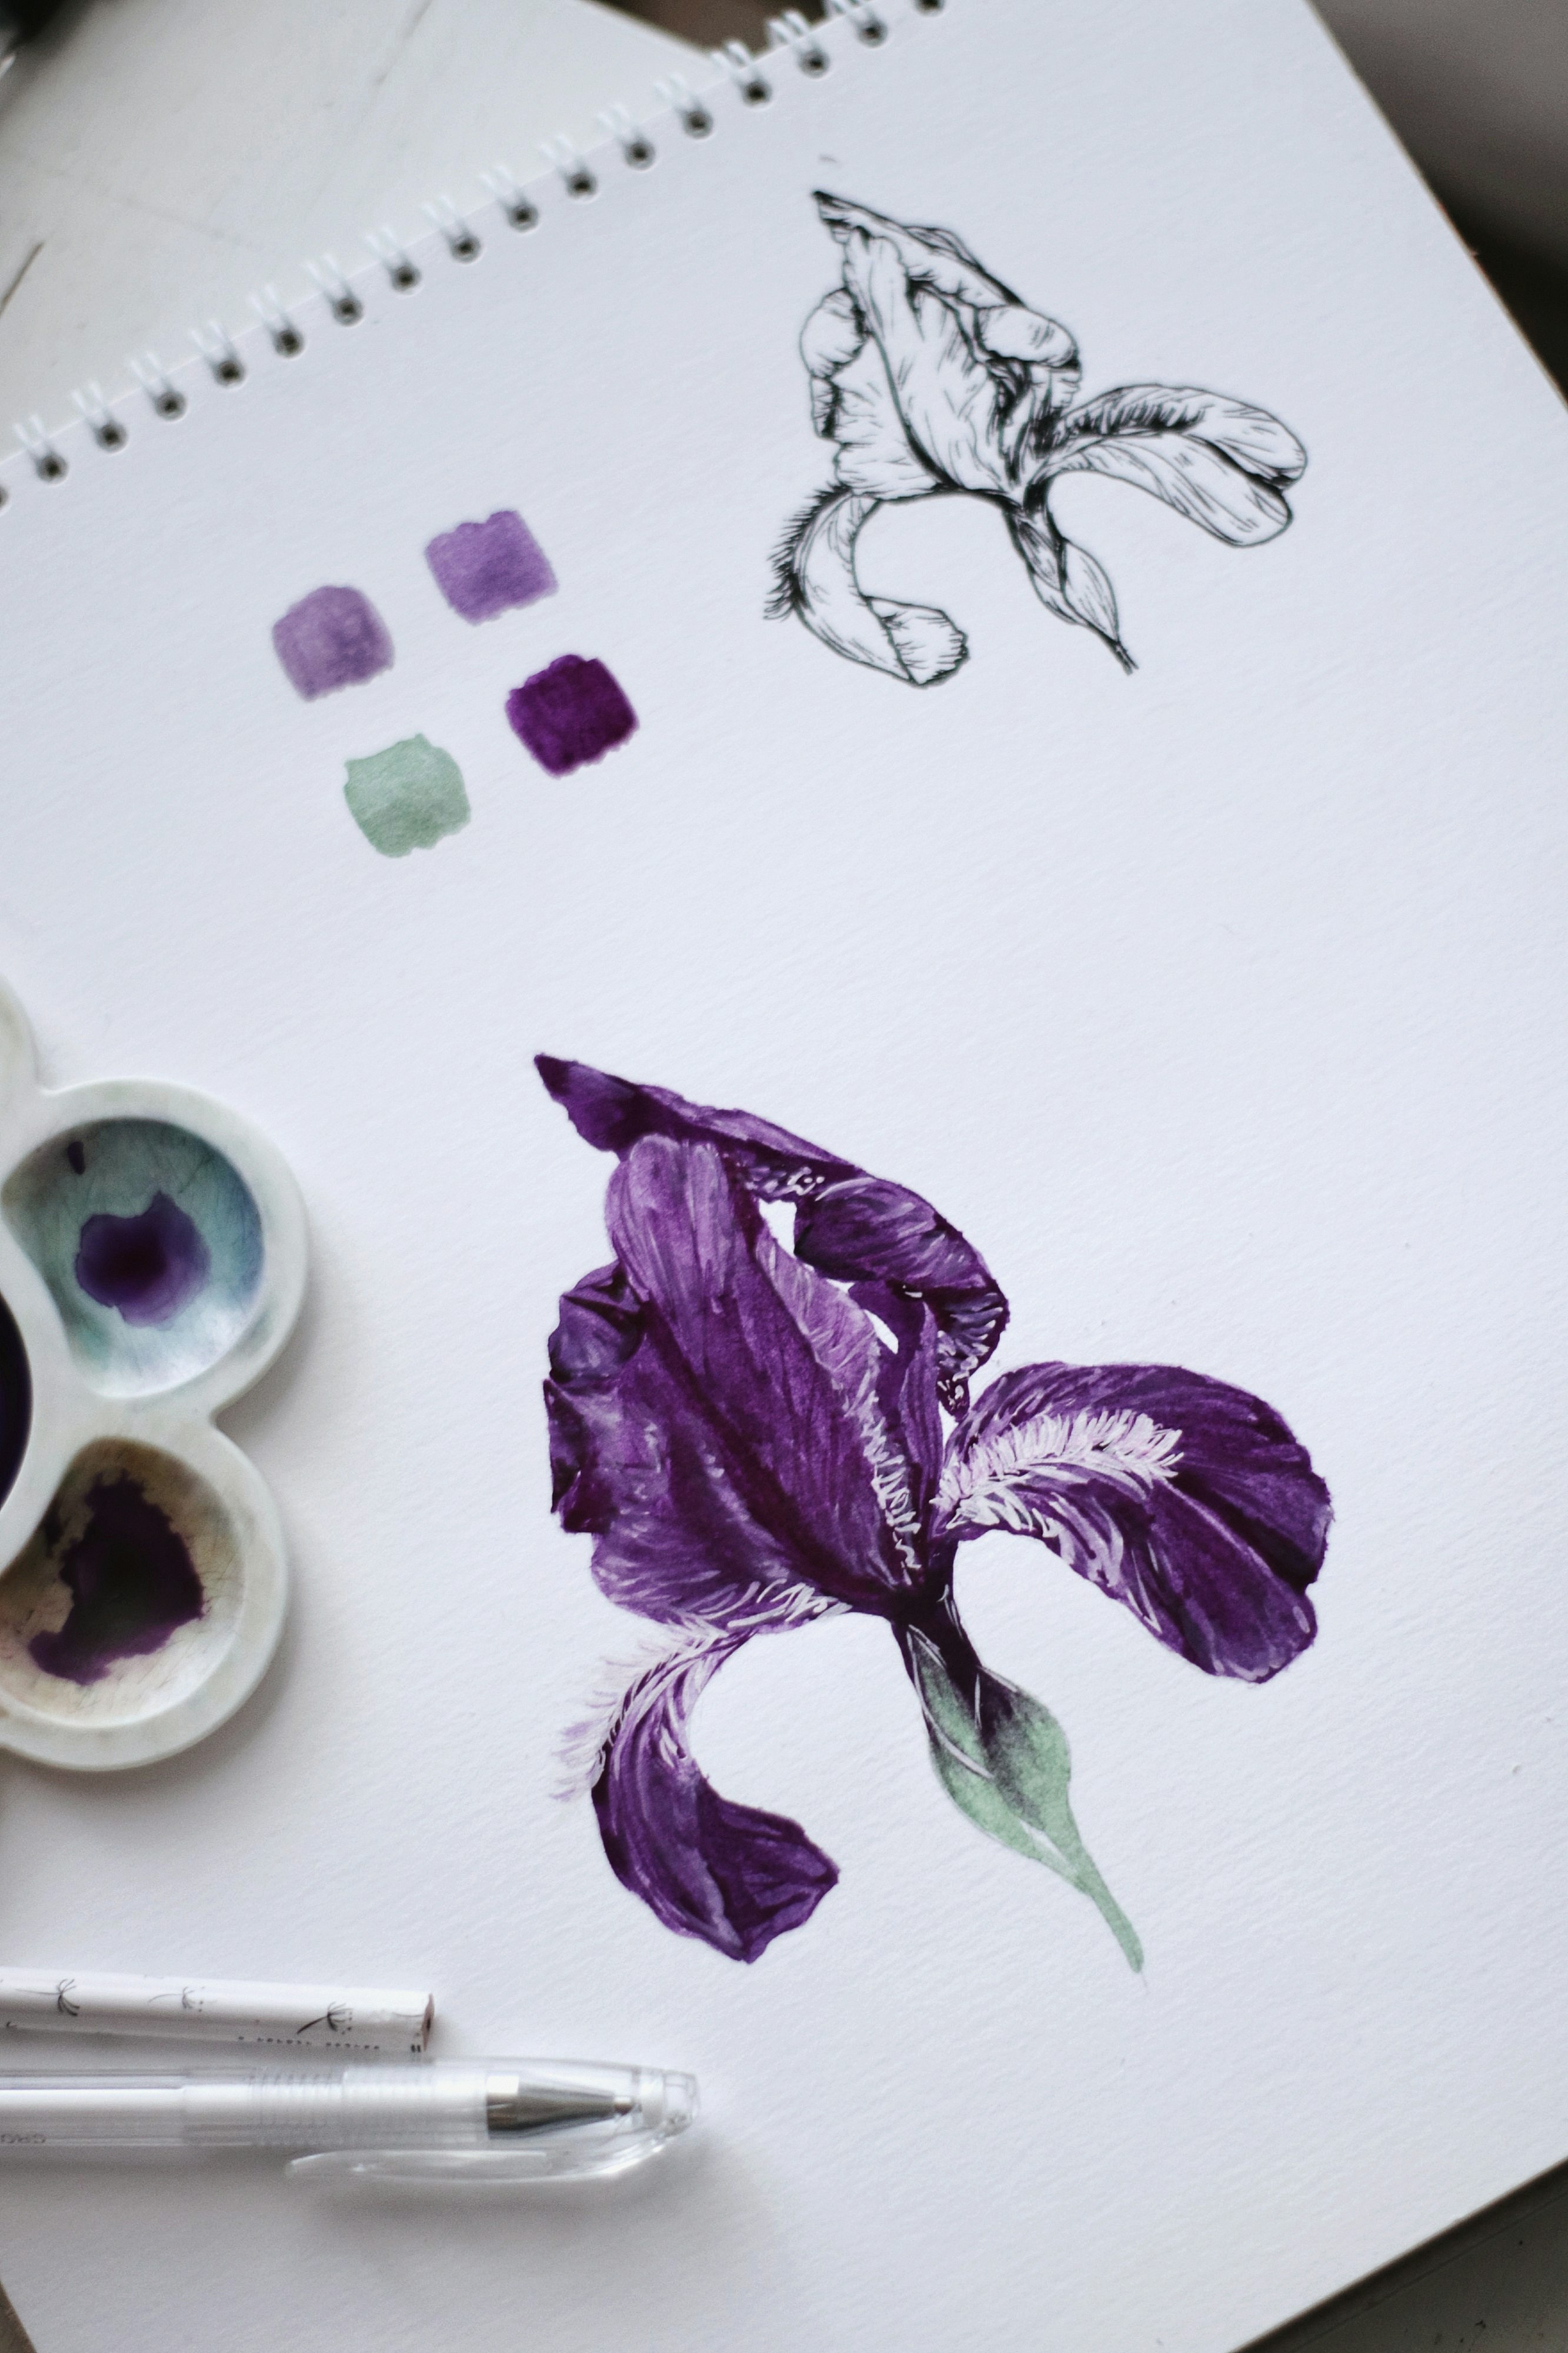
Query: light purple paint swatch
{"x": 332, "y": 637}
{"x": 573, "y": 713}
{"x": 486, "y": 568}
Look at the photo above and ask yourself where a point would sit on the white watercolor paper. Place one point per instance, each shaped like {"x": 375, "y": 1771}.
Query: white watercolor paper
{"x": 1219, "y": 1003}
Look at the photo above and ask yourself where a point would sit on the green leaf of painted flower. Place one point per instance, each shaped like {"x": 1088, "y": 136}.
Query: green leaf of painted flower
{"x": 1004, "y": 1760}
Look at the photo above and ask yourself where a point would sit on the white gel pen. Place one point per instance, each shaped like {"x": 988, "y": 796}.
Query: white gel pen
{"x": 453, "y": 2119}
{"x": 88, "y": 2001}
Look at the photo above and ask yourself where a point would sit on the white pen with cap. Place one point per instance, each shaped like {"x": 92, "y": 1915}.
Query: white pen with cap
{"x": 85, "y": 2001}
{"x": 459, "y": 2120}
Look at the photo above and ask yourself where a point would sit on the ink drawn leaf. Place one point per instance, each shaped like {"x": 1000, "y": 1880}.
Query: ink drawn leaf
{"x": 1221, "y": 463}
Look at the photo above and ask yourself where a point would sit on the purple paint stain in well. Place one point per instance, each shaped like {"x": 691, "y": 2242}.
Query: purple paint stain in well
{"x": 486, "y": 568}
{"x": 569, "y": 713}
{"x": 148, "y": 1267}
{"x": 132, "y": 1581}
{"x": 332, "y": 637}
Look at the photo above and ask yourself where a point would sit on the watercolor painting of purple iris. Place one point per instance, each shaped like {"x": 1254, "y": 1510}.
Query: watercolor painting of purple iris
{"x": 930, "y": 379}
{"x": 754, "y": 1437}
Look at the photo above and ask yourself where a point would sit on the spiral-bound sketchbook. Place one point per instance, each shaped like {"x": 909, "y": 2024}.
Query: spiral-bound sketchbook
{"x": 869, "y": 791}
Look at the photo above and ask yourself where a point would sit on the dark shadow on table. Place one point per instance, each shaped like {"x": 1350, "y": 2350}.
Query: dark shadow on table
{"x": 1499, "y": 2278}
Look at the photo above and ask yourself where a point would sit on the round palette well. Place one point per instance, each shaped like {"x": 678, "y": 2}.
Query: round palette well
{"x": 16, "y": 1401}
{"x": 126, "y": 1598}
{"x": 150, "y": 1244}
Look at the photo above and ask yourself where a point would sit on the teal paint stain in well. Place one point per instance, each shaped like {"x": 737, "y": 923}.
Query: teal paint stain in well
{"x": 409, "y": 796}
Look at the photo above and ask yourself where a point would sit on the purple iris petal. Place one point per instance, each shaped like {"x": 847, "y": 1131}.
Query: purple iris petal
{"x": 852, "y": 1226}
{"x": 908, "y": 1388}
{"x": 731, "y": 1874}
{"x": 1187, "y": 1500}
{"x": 613, "y": 1113}
{"x": 638, "y": 1466}
{"x": 772, "y": 1371}
{"x": 864, "y": 1227}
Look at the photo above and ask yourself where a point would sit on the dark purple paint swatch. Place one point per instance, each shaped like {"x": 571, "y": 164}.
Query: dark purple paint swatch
{"x": 148, "y": 1267}
{"x": 132, "y": 1582}
{"x": 569, "y": 713}
{"x": 16, "y": 1401}
{"x": 486, "y": 568}
{"x": 332, "y": 637}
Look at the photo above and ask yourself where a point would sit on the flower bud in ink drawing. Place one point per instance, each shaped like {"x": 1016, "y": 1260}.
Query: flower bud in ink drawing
{"x": 932, "y": 379}
{"x": 757, "y": 1437}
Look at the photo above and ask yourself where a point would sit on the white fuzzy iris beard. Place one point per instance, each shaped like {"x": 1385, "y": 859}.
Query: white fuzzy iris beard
{"x": 692, "y": 1650}
{"x": 999, "y": 1482}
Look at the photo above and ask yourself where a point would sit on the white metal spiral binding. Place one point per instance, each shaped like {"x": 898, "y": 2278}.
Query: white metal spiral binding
{"x": 47, "y": 463}
{"x": 401, "y": 270}
{"x": 637, "y": 148}
{"x": 168, "y": 401}
{"x": 791, "y": 31}
{"x": 517, "y": 207}
{"x": 863, "y": 16}
{"x": 740, "y": 75}
{"x": 746, "y": 72}
{"x": 462, "y": 243}
{"x": 682, "y": 100}
{"x": 576, "y": 177}
{"x": 287, "y": 339}
{"x": 335, "y": 291}
{"x": 106, "y": 429}
{"x": 217, "y": 347}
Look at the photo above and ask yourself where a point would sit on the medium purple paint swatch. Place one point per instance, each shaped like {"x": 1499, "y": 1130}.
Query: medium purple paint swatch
{"x": 569, "y": 713}
{"x": 486, "y": 568}
{"x": 332, "y": 637}
{"x": 132, "y": 1581}
{"x": 148, "y": 1267}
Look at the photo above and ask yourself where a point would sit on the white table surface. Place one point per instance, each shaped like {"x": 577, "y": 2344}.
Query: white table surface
{"x": 160, "y": 161}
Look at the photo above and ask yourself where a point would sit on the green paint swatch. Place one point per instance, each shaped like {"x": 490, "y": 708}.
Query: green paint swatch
{"x": 407, "y": 798}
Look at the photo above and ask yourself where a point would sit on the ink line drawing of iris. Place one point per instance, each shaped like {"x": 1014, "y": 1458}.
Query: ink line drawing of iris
{"x": 755, "y": 1438}
{"x": 932, "y": 378}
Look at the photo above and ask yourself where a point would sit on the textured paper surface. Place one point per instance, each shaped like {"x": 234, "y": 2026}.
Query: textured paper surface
{"x": 1220, "y": 1005}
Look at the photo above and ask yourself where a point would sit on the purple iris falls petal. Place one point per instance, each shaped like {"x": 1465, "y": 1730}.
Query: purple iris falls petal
{"x": 850, "y": 1225}
{"x": 707, "y": 1867}
{"x": 766, "y": 1374}
{"x": 1187, "y": 1500}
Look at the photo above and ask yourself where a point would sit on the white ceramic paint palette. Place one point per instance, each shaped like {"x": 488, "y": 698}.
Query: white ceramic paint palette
{"x": 152, "y": 1264}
